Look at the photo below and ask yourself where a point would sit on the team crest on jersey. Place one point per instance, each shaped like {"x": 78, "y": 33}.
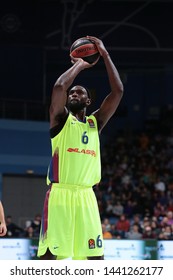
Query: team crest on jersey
{"x": 91, "y": 123}
{"x": 91, "y": 243}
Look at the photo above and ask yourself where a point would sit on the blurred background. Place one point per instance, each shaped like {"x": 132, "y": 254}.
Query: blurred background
{"x": 35, "y": 38}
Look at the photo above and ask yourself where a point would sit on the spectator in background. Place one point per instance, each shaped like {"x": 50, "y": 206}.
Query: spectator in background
{"x": 143, "y": 141}
{"x": 137, "y": 221}
{"x": 148, "y": 233}
{"x": 107, "y": 224}
{"x": 163, "y": 199}
{"x": 155, "y": 226}
{"x": 159, "y": 185}
{"x": 36, "y": 224}
{"x": 3, "y": 228}
{"x": 169, "y": 215}
{"x": 109, "y": 208}
{"x": 13, "y": 230}
{"x": 106, "y": 233}
{"x": 170, "y": 205}
{"x": 166, "y": 233}
{"x": 163, "y": 222}
{"x": 122, "y": 226}
{"x": 118, "y": 209}
{"x": 29, "y": 232}
{"x": 145, "y": 223}
{"x": 134, "y": 233}
{"x": 129, "y": 209}
{"x": 159, "y": 210}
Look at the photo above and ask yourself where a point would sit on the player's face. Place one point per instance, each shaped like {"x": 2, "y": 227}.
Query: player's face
{"x": 77, "y": 99}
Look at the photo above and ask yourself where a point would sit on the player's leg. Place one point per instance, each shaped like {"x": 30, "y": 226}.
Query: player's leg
{"x": 48, "y": 256}
{"x": 56, "y": 238}
{"x": 88, "y": 231}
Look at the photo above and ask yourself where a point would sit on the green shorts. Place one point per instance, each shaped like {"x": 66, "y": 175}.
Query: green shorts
{"x": 71, "y": 226}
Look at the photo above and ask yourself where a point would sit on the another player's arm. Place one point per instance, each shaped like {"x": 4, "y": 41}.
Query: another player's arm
{"x": 112, "y": 100}
{"x": 3, "y": 228}
{"x": 57, "y": 108}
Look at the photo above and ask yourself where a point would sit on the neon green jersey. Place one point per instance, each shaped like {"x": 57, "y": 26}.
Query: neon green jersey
{"x": 76, "y": 153}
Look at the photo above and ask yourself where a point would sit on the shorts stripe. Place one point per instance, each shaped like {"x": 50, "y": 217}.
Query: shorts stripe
{"x": 45, "y": 215}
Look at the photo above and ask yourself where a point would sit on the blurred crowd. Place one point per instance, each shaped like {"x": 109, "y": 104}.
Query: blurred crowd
{"x": 30, "y": 230}
{"x": 135, "y": 195}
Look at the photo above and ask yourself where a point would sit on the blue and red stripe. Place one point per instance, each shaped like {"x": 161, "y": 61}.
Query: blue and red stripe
{"x": 54, "y": 169}
{"x": 45, "y": 215}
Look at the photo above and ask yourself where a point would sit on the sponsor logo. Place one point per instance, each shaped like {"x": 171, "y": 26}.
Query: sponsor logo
{"x": 83, "y": 151}
{"x": 91, "y": 243}
{"x": 91, "y": 123}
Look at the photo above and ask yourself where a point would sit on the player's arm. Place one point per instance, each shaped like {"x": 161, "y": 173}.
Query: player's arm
{"x": 112, "y": 100}
{"x": 3, "y": 228}
{"x": 57, "y": 108}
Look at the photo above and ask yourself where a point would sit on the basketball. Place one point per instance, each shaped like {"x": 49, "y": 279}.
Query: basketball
{"x": 85, "y": 49}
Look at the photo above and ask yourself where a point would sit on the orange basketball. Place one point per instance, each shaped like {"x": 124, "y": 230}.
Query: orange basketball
{"x": 85, "y": 49}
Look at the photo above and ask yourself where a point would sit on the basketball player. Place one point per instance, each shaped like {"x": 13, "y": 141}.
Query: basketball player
{"x": 71, "y": 226}
{"x": 3, "y": 228}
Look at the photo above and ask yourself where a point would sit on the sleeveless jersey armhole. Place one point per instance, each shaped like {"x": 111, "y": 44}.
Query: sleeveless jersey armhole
{"x": 56, "y": 129}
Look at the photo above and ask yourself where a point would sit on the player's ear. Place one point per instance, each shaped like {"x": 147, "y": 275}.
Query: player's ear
{"x": 88, "y": 102}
